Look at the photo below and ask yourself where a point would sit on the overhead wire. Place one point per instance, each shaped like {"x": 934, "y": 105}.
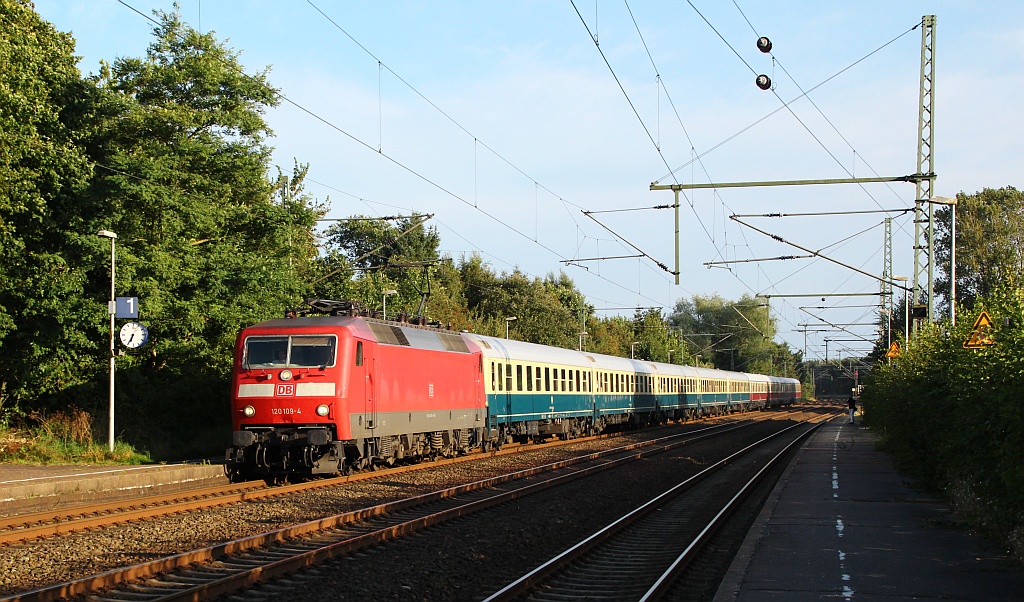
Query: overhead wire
{"x": 466, "y": 131}
{"x": 822, "y": 113}
{"x": 408, "y": 169}
{"x": 787, "y": 105}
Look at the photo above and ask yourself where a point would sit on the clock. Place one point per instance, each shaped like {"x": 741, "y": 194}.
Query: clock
{"x": 134, "y": 334}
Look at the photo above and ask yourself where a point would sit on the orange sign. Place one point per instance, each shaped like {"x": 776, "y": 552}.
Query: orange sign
{"x": 894, "y": 350}
{"x": 980, "y": 333}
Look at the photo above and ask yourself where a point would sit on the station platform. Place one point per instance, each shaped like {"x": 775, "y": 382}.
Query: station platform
{"x": 28, "y": 488}
{"x": 843, "y": 524}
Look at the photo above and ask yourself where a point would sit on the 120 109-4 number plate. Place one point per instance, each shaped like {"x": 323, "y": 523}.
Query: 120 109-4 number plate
{"x": 285, "y": 411}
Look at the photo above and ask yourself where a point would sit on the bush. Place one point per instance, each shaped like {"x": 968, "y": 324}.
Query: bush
{"x": 954, "y": 417}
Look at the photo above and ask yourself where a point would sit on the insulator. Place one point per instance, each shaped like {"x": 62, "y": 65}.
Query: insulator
{"x": 764, "y": 44}
{"x": 764, "y": 82}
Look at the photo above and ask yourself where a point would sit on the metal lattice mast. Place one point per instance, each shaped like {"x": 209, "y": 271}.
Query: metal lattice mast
{"x": 924, "y": 228}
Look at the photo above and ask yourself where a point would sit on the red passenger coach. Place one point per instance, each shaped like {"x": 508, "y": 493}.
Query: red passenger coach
{"x": 323, "y": 394}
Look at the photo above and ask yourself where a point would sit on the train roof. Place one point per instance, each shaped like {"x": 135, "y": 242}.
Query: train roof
{"x": 425, "y": 337}
{"x": 505, "y": 349}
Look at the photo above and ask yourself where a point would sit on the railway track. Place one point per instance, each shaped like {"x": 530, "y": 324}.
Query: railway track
{"x": 20, "y": 528}
{"x": 217, "y": 570}
{"x": 640, "y": 555}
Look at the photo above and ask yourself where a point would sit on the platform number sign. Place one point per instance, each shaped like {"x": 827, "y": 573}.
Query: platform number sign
{"x": 127, "y": 307}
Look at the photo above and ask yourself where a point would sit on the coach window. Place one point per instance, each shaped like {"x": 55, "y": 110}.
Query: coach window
{"x": 529, "y": 378}
{"x": 519, "y": 377}
{"x": 500, "y": 380}
{"x": 494, "y": 381}
{"x": 547, "y": 378}
{"x": 508, "y": 377}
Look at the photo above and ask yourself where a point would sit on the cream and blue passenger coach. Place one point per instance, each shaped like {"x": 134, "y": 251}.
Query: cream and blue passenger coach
{"x": 536, "y": 390}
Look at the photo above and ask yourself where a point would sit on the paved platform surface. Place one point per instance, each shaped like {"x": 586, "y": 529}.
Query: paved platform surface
{"x": 843, "y": 524}
{"x": 25, "y": 488}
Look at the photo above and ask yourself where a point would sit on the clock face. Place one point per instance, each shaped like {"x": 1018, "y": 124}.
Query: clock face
{"x": 134, "y": 334}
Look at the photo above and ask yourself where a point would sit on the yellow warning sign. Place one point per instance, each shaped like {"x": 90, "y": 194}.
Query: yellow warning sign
{"x": 981, "y": 333}
{"x": 894, "y": 350}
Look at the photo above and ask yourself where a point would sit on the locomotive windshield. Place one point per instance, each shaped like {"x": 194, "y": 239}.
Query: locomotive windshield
{"x": 299, "y": 351}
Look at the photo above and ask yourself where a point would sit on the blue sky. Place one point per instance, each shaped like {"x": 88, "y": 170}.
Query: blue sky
{"x": 504, "y": 120}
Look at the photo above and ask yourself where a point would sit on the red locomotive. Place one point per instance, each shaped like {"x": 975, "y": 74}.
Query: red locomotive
{"x": 325, "y": 394}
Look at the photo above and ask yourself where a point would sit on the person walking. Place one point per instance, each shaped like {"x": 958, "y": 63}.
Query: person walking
{"x": 852, "y": 403}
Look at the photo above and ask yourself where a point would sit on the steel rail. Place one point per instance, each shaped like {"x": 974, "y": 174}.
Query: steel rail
{"x": 246, "y": 575}
{"x": 663, "y": 583}
{"x": 530, "y": 581}
{"x": 20, "y": 528}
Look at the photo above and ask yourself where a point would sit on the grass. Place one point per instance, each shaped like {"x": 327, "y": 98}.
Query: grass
{"x": 62, "y": 438}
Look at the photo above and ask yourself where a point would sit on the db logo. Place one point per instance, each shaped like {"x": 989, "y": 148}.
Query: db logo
{"x": 285, "y": 390}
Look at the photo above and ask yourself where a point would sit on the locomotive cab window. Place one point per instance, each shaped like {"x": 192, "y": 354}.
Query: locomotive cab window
{"x": 297, "y": 351}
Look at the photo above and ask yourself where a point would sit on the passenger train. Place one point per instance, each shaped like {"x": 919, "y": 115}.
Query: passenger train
{"x": 323, "y": 394}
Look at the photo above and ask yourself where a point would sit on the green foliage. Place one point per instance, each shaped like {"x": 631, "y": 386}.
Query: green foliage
{"x": 989, "y": 244}
{"x": 731, "y": 335}
{"x": 42, "y": 170}
{"x": 953, "y": 417}
{"x": 209, "y": 244}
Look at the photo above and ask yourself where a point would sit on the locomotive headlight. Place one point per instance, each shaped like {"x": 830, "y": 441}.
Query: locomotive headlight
{"x": 249, "y": 411}
{"x": 286, "y": 374}
{"x": 322, "y": 410}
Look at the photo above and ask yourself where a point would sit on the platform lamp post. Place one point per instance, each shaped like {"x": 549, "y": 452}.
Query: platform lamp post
{"x": 906, "y": 310}
{"x": 632, "y": 346}
{"x": 111, "y": 309}
{"x": 941, "y": 200}
{"x": 670, "y": 355}
{"x": 390, "y": 291}
{"x": 507, "y": 320}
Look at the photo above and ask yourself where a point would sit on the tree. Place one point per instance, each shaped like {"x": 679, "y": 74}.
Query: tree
{"x": 989, "y": 244}
{"x": 44, "y": 313}
{"x": 653, "y": 338}
{"x": 732, "y": 335}
{"x": 205, "y": 240}
{"x": 364, "y": 256}
{"x": 548, "y": 311}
